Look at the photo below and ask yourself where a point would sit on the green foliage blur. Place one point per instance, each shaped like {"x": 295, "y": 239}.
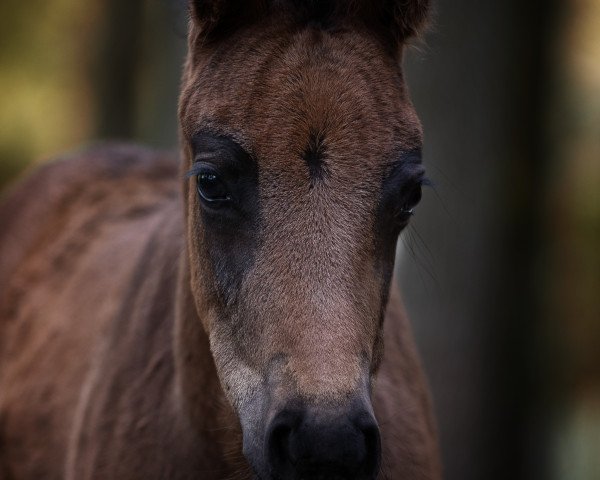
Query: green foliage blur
{"x": 73, "y": 72}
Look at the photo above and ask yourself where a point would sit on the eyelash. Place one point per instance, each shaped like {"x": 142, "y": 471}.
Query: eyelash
{"x": 194, "y": 171}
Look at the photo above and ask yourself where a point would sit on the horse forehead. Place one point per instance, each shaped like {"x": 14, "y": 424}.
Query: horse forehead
{"x": 335, "y": 98}
{"x": 340, "y": 102}
{"x": 329, "y": 89}
{"x": 311, "y": 79}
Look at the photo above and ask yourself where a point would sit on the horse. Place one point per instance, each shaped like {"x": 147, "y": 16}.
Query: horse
{"x": 222, "y": 313}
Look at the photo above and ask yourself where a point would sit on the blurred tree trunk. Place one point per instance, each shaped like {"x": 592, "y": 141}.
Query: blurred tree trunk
{"x": 137, "y": 68}
{"x": 572, "y": 260}
{"x": 114, "y": 70}
{"x": 467, "y": 275}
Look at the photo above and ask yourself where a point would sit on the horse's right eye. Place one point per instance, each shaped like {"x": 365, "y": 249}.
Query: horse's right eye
{"x": 211, "y": 188}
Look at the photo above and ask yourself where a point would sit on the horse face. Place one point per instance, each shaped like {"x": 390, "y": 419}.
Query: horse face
{"x": 303, "y": 156}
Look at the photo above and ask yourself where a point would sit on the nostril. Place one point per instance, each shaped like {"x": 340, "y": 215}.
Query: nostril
{"x": 278, "y": 442}
{"x": 314, "y": 446}
{"x": 373, "y": 450}
{"x": 279, "y": 445}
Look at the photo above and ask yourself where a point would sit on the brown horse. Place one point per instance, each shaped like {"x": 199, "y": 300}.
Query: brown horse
{"x": 226, "y": 317}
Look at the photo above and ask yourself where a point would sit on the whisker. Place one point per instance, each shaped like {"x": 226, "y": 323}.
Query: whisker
{"x": 411, "y": 251}
{"x": 429, "y": 258}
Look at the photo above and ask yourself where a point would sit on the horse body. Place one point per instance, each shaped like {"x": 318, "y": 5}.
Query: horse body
{"x": 74, "y": 257}
{"x": 142, "y": 339}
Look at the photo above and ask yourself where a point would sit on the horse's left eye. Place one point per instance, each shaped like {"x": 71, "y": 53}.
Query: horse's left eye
{"x": 211, "y": 188}
{"x": 409, "y": 201}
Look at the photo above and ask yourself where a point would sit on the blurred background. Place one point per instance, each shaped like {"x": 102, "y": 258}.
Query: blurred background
{"x": 500, "y": 269}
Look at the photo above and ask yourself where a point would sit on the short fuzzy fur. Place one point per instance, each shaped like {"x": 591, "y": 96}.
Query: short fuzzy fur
{"x": 141, "y": 338}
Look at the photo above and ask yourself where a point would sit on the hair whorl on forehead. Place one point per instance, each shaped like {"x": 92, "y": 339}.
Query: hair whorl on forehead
{"x": 395, "y": 20}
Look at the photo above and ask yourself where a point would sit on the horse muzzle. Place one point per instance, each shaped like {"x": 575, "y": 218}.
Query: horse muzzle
{"x": 314, "y": 443}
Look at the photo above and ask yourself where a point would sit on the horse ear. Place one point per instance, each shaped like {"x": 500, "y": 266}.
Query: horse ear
{"x": 401, "y": 18}
{"x": 405, "y": 18}
{"x": 218, "y": 17}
